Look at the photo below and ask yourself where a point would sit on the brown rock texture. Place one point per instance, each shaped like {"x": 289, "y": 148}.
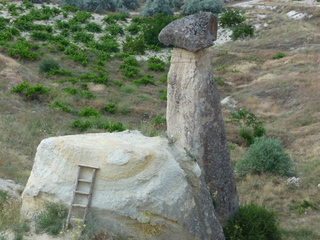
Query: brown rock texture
{"x": 194, "y": 122}
{"x": 193, "y": 33}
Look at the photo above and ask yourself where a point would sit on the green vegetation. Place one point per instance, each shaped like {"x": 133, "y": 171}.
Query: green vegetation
{"x": 52, "y": 219}
{"x": 278, "y": 56}
{"x": 265, "y": 155}
{"x": 48, "y": 64}
{"x": 250, "y": 125}
{"x": 196, "y": 6}
{"x": 304, "y": 206}
{"x": 253, "y": 222}
{"x": 31, "y": 92}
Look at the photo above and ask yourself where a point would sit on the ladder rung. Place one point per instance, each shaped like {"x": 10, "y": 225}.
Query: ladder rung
{"x": 80, "y": 192}
{"x": 84, "y": 180}
{"x": 82, "y": 165}
{"x": 79, "y": 205}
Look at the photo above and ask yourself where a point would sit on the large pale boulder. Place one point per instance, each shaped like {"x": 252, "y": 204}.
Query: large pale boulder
{"x": 144, "y": 185}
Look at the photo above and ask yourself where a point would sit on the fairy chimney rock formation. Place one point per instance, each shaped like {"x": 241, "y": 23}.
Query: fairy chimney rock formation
{"x": 194, "y": 118}
{"x": 192, "y": 33}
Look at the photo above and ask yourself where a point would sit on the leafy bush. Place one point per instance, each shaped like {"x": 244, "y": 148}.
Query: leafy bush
{"x": 48, "y": 64}
{"x": 71, "y": 91}
{"x": 133, "y": 28}
{"x": 132, "y": 61}
{"x": 61, "y": 72}
{"x": 250, "y": 125}
{"x": 151, "y": 27}
{"x": 114, "y": 126}
{"x": 129, "y": 71}
{"x": 136, "y": 44}
{"x": 70, "y": 8}
{"x": 231, "y": 17}
{"x": 112, "y": 18}
{"x": 107, "y": 45}
{"x": 89, "y": 112}
{"x": 145, "y": 80}
{"x": 104, "y": 56}
{"x": 93, "y": 27}
{"x": 265, "y": 155}
{"x": 242, "y": 31}
{"x": 164, "y": 78}
{"x": 159, "y": 119}
{"x": 87, "y": 95}
{"x": 164, "y": 95}
{"x": 6, "y": 36}
{"x": 52, "y": 219}
{"x": 83, "y": 37}
{"x": 155, "y": 64}
{"x": 253, "y": 222}
{"x": 115, "y": 29}
{"x": 195, "y": 6}
{"x": 278, "y": 56}
{"x": 81, "y": 125}
{"x": 23, "y": 50}
{"x": 63, "y": 107}
{"x": 31, "y": 92}
{"x": 110, "y": 108}
{"x": 81, "y": 16}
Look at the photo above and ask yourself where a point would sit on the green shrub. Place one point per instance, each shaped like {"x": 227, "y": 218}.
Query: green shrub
{"x": 155, "y": 64}
{"x": 133, "y": 28}
{"x": 219, "y": 81}
{"x": 134, "y": 44}
{"x": 130, "y": 4}
{"x": 70, "y": 8}
{"x": 195, "y": 6}
{"x": 93, "y": 27}
{"x": 6, "y": 36}
{"x": 145, "y": 80}
{"x": 278, "y": 56}
{"x": 81, "y": 16}
{"x": 61, "y": 72}
{"x": 129, "y": 71}
{"x": 115, "y": 29}
{"x": 110, "y": 108}
{"x": 250, "y": 125}
{"x": 132, "y": 61}
{"x": 70, "y": 90}
{"x": 231, "y": 17}
{"x": 253, "y": 222}
{"x": 114, "y": 126}
{"x": 41, "y": 36}
{"x": 121, "y": 56}
{"x": 151, "y": 28}
{"x": 23, "y": 49}
{"x": 104, "y": 56}
{"x": 81, "y": 125}
{"x": 83, "y": 37}
{"x": 31, "y": 92}
{"x": 52, "y": 219}
{"x": 164, "y": 78}
{"x": 48, "y": 64}
{"x": 164, "y": 95}
{"x": 159, "y": 119}
{"x": 63, "y": 107}
{"x": 112, "y": 18}
{"x": 242, "y": 31}
{"x": 87, "y": 95}
{"x": 89, "y": 112}
{"x": 265, "y": 155}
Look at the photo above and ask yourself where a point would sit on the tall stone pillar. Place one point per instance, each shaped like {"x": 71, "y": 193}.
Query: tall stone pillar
{"x": 194, "y": 118}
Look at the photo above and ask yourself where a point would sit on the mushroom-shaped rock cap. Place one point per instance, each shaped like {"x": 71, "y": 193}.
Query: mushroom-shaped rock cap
{"x": 193, "y": 33}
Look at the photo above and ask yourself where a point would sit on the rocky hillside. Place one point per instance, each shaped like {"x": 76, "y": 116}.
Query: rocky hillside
{"x": 275, "y": 74}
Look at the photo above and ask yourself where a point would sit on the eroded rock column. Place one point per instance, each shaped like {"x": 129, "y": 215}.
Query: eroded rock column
{"x": 194, "y": 118}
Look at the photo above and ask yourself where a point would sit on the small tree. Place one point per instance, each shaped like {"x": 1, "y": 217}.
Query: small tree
{"x": 195, "y": 6}
{"x": 153, "y": 7}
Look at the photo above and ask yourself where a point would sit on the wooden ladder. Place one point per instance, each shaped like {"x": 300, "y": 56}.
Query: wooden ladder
{"x": 77, "y": 192}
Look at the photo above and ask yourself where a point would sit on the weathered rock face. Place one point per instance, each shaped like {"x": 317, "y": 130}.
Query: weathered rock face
{"x": 193, "y": 33}
{"x": 194, "y": 121}
{"x": 143, "y": 184}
